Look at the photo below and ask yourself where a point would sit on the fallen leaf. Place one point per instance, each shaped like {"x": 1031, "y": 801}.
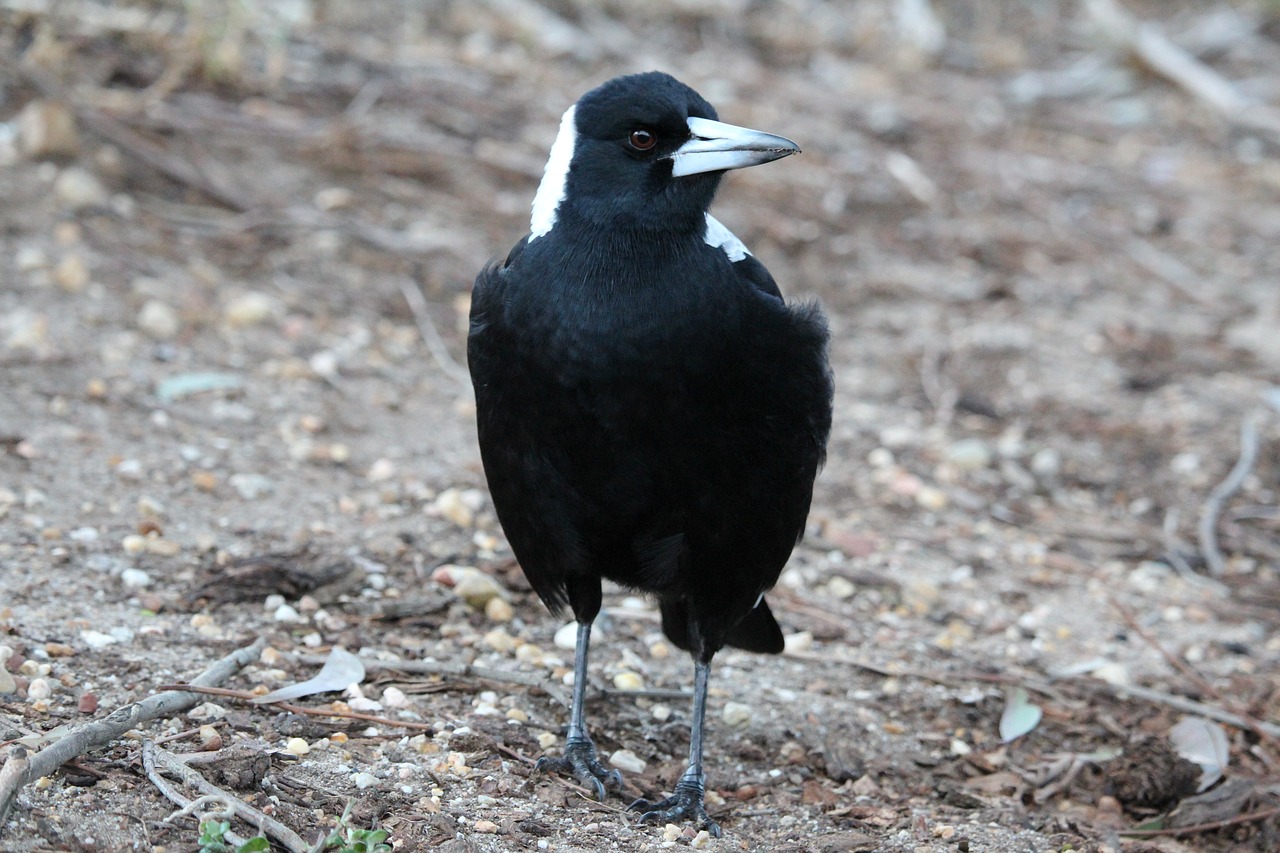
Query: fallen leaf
{"x": 339, "y": 672}
{"x": 1019, "y": 716}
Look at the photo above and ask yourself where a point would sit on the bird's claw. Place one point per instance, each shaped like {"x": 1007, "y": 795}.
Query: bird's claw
{"x": 687, "y": 803}
{"x": 580, "y": 762}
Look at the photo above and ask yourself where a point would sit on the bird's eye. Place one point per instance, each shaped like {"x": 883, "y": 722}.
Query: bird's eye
{"x": 642, "y": 140}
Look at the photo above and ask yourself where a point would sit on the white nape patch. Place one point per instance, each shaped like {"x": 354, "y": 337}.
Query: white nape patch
{"x": 722, "y": 238}
{"x": 551, "y": 190}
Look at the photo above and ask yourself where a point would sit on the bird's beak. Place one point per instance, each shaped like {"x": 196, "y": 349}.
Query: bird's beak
{"x": 717, "y": 146}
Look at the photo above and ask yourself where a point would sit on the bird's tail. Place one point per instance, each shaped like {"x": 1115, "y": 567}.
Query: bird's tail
{"x": 758, "y": 631}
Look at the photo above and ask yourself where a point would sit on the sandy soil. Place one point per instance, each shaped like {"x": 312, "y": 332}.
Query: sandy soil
{"x": 1051, "y": 282}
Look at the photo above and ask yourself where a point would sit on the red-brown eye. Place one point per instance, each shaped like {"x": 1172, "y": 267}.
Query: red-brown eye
{"x": 642, "y": 140}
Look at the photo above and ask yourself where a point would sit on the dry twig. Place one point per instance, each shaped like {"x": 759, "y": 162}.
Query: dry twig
{"x": 431, "y": 336}
{"x": 1153, "y": 51}
{"x": 1213, "y": 504}
{"x": 155, "y": 759}
{"x": 456, "y": 670}
{"x": 246, "y": 696}
{"x": 27, "y": 768}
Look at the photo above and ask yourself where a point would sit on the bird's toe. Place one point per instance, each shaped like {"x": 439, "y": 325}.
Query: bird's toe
{"x": 685, "y": 804}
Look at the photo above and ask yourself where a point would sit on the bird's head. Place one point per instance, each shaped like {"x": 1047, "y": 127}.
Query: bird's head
{"x": 644, "y": 152}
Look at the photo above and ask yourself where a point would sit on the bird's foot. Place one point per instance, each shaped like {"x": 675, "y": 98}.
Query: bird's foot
{"x": 580, "y": 761}
{"x": 687, "y": 803}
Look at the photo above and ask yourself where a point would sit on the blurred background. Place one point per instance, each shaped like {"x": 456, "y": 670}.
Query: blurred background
{"x": 236, "y": 246}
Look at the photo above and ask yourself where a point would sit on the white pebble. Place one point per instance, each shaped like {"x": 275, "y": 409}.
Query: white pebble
{"x": 78, "y": 189}
{"x": 39, "y": 689}
{"x": 286, "y": 613}
{"x": 736, "y": 714}
{"x": 970, "y": 454}
{"x": 364, "y": 780}
{"x": 250, "y": 309}
{"x": 394, "y": 697}
{"x": 567, "y": 636}
{"x": 135, "y": 578}
{"x": 159, "y": 320}
{"x": 628, "y": 761}
{"x": 661, "y": 712}
{"x": 97, "y": 639}
{"x": 251, "y": 486}
{"x": 799, "y": 642}
{"x": 297, "y": 746}
{"x": 628, "y": 681}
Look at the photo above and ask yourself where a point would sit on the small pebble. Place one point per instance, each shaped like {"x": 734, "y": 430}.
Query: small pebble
{"x": 628, "y": 761}
{"x": 660, "y": 650}
{"x": 333, "y": 198}
{"x": 798, "y": 642}
{"x": 671, "y": 833}
{"x": 701, "y": 840}
{"x": 97, "y": 639}
{"x": 736, "y": 714}
{"x": 250, "y": 309}
{"x": 970, "y": 454}
{"x": 72, "y": 274}
{"x": 661, "y": 712}
{"x": 457, "y": 505}
{"x": 47, "y": 129}
{"x": 86, "y": 704}
{"x": 286, "y": 613}
{"x": 531, "y": 654}
{"x": 499, "y": 640}
{"x": 567, "y": 636}
{"x": 546, "y": 740}
{"x": 58, "y": 650}
{"x": 499, "y": 610}
{"x": 380, "y": 471}
{"x": 628, "y": 681}
{"x": 298, "y": 746}
{"x": 931, "y": 498}
{"x": 159, "y": 320}
{"x": 134, "y": 543}
{"x": 518, "y": 715}
{"x": 210, "y": 738}
{"x": 78, "y": 189}
{"x": 39, "y": 690}
{"x": 394, "y": 697}
{"x": 7, "y": 682}
{"x": 364, "y": 780}
{"x": 486, "y": 827}
{"x": 251, "y": 486}
{"x": 207, "y": 711}
{"x": 135, "y": 578}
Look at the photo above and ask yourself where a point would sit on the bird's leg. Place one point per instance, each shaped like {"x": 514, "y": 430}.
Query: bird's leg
{"x": 579, "y": 757}
{"x": 688, "y": 800}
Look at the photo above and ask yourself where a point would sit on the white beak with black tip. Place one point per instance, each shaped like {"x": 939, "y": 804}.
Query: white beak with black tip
{"x": 717, "y": 146}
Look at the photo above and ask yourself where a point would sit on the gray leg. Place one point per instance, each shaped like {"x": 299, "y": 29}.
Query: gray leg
{"x": 688, "y": 800}
{"x": 579, "y": 751}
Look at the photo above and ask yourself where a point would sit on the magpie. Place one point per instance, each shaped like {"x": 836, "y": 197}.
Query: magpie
{"x": 649, "y": 409}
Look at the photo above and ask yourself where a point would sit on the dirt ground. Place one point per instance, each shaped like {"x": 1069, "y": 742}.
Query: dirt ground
{"x": 1051, "y": 280}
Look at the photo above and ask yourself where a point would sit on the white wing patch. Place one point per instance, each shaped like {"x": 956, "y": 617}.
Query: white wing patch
{"x": 722, "y": 238}
{"x": 551, "y": 190}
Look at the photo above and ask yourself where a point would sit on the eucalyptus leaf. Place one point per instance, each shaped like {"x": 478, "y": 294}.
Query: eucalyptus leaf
{"x": 339, "y": 672}
{"x": 1019, "y": 716}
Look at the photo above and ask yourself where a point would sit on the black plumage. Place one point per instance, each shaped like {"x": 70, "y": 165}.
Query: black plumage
{"x": 650, "y": 410}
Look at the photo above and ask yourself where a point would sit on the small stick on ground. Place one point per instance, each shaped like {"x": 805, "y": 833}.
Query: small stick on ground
{"x": 300, "y": 709}
{"x": 1222, "y": 492}
{"x": 457, "y": 670}
{"x": 431, "y": 336}
{"x": 1176, "y": 831}
{"x": 155, "y": 758}
{"x": 27, "y": 768}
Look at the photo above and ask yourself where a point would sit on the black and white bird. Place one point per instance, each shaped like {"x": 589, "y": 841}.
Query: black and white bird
{"x": 650, "y": 410}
